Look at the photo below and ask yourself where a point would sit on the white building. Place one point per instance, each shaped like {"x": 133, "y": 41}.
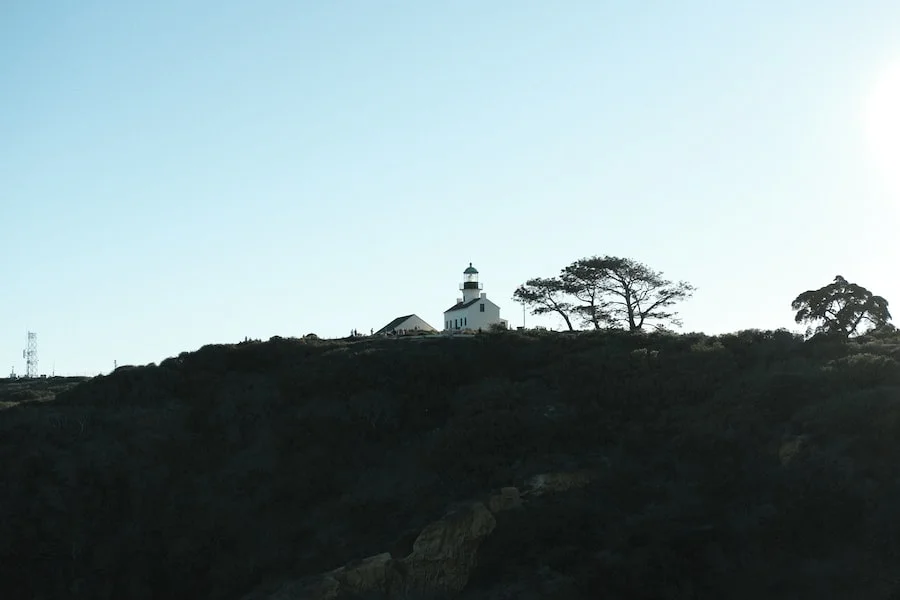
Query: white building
{"x": 473, "y": 311}
{"x": 405, "y": 324}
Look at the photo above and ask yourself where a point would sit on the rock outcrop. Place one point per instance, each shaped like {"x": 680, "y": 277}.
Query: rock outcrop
{"x": 372, "y": 575}
{"x": 558, "y": 482}
{"x": 445, "y": 553}
{"x": 442, "y": 558}
{"x": 506, "y": 499}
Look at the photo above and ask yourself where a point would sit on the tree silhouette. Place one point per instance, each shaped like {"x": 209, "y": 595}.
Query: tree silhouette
{"x": 585, "y": 279}
{"x": 543, "y": 296}
{"x": 607, "y": 292}
{"x": 841, "y": 308}
{"x": 642, "y": 294}
{"x": 624, "y": 292}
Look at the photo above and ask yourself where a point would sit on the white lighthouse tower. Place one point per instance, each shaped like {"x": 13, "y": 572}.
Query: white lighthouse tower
{"x": 470, "y": 286}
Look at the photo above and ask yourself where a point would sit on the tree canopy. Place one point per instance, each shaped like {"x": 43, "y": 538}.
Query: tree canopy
{"x": 840, "y": 308}
{"x": 606, "y": 292}
{"x": 585, "y": 280}
{"x": 637, "y": 294}
{"x": 545, "y": 295}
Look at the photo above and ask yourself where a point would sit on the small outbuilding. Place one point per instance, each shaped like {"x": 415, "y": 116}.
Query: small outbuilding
{"x": 405, "y": 325}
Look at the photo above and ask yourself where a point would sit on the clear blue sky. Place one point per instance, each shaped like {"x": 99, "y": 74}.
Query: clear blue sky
{"x": 174, "y": 174}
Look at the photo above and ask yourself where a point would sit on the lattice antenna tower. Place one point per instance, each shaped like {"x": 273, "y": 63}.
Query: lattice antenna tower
{"x": 30, "y": 355}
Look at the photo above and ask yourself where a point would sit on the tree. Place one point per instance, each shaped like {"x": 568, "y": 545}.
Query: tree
{"x": 543, "y": 296}
{"x": 585, "y": 280}
{"x": 840, "y": 308}
{"x": 625, "y": 292}
{"x": 641, "y": 294}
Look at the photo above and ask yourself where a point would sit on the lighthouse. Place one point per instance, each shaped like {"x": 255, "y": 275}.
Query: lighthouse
{"x": 472, "y": 312}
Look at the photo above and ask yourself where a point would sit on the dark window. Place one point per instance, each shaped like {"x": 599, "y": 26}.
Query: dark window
{"x": 481, "y": 308}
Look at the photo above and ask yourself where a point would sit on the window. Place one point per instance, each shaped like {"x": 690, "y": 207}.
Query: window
{"x": 464, "y": 321}
{"x": 481, "y": 307}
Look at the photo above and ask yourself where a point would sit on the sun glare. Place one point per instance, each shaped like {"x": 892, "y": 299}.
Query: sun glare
{"x": 882, "y": 123}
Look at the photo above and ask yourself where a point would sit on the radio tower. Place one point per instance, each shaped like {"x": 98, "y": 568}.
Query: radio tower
{"x": 30, "y": 356}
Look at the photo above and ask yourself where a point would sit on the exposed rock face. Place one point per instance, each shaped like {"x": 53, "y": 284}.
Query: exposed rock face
{"x": 444, "y": 553}
{"x": 442, "y": 558}
{"x": 559, "y": 482}
{"x": 372, "y": 575}
{"x": 794, "y": 449}
{"x": 508, "y": 498}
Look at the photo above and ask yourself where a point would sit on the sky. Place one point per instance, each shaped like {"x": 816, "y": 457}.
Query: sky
{"x": 179, "y": 173}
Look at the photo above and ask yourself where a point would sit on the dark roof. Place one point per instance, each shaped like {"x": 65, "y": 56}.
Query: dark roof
{"x": 471, "y": 270}
{"x": 462, "y": 305}
{"x": 392, "y": 325}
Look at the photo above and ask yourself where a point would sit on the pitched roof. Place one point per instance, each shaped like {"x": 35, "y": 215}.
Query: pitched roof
{"x": 462, "y": 305}
{"x": 392, "y": 325}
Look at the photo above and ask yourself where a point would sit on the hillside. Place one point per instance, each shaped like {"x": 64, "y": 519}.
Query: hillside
{"x": 16, "y": 392}
{"x": 644, "y": 466}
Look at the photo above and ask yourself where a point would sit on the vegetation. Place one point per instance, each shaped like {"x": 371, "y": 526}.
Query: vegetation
{"x": 16, "y": 392}
{"x": 606, "y": 292}
{"x": 755, "y": 464}
{"x": 545, "y": 296}
{"x": 840, "y": 308}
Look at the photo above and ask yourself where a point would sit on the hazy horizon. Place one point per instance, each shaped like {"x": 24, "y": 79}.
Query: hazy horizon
{"x": 175, "y": 174}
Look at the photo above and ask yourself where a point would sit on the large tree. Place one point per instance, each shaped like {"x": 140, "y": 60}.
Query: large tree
{"x": 636, "y": 295}
{"x": 840, "y": 308}
{"x": 545, "y": 295}
{"x": 585, "y": 280}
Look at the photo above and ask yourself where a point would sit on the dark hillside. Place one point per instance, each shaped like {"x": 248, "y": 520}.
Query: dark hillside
{"x": 741, "y": 466}
{"x": 15, "y": 392}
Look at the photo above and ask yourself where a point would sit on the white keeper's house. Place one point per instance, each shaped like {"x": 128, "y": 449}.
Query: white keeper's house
{"x": 405, "y": 325}
{"x": 473, "y": 311}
